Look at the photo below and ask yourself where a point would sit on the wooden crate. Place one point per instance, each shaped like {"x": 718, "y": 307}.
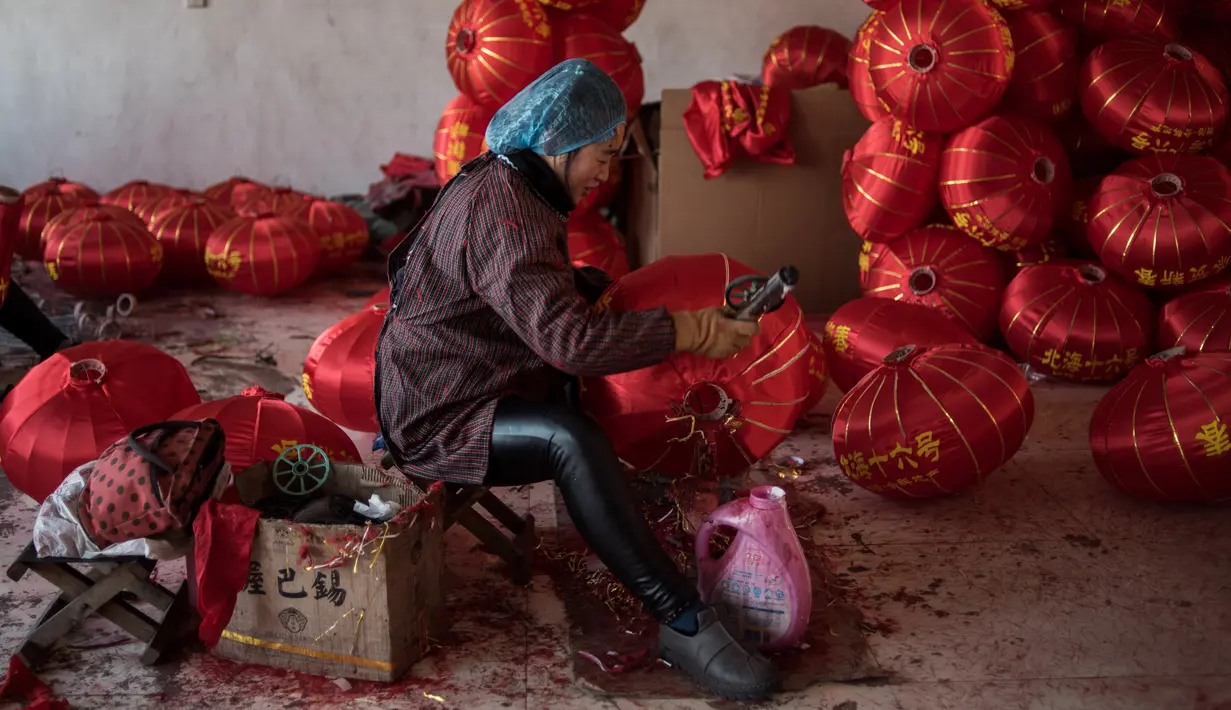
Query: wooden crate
{"x": 369, "y": 617}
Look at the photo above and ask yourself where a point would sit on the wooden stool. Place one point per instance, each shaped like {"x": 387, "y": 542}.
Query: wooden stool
{"x": 515, "y": 544}
{"x": 101, "y": 591}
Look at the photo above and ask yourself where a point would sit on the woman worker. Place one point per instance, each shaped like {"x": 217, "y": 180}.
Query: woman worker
{"x": 487, "y": 322}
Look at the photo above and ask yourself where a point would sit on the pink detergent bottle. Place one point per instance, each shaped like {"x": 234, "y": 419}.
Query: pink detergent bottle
{"x": 761, "y": 586}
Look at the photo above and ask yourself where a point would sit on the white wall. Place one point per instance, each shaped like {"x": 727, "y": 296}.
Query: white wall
{"x": 315, "y": 93}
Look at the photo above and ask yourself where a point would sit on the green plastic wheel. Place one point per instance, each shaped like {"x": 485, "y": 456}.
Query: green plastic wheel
{"x": 301, "y": 470}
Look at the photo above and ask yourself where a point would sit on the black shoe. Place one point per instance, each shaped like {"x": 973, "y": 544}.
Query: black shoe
{"x": 715, "y": 661}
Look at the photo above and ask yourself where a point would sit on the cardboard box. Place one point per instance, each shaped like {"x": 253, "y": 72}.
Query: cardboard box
{"x": 765, "y": 216}
{"x": 368, "y": 616}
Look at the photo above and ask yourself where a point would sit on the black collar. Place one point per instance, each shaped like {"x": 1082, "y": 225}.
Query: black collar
{"x": 543, "y": 179}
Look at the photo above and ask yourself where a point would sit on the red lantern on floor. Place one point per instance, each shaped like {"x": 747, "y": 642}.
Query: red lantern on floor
{"x": 939, "y": 65}
{"x": 133, "y": 193}
{"x": 343, "y": 232}
{"x": 1162, "y": 221}
{"x": 859, "y": 74}
{"x": 64, "y": 187}
{"x": 692, "y": 414}
{"x": 1004, "y": 181}
{"x": 1199, "y": 320}
{"x": 933, "y": 421}
{"x": 80, "y": 401}
{"x": 260, "y": 425}
{"x": 606, "y": 191}
{"x": 889, "y": 179}
{"x": 592, "y": 241}
{"x": 588, "y": 37}
{"x": 818, "y": 368}
{"x": 339, "y": 372}
{"x": 1072, "y": 222}
{"x": 37, "y": 210}
{"x": 83, "y": 212}
{"x": 941, "y": 268}
{"x": 1102, "y": 20}
{"x": 262, "y": 256}
{"x": 102, "y": 257}
{"x": 183, "y": 232}
{"x": 1076, "y": 322}
{"x": 150, "y": 210}
{"x": 861, "y": 333}
{"x": 1044, "y": 83}
{"x": 1126, "y": 93}
{"x": 804, "y": 57}
{"x": 1161, "y": 434}
{"x": 275, "y": 200}
{"x": 459, "y": 136}
{"x": 495, "y": 48}
{"x": 225, "y": 192}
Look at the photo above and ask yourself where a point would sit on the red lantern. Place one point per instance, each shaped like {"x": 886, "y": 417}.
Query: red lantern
{"x": 592, "y": 241}
{"x": 940, "y": 65}
{"x": 102, "y": 257}
{"x": 150, "y": 210}
{"x": 620, "y": 14}
{"x": 606, "y": 191}
{"x": 1044, "y": 83}
{"x": 343, "y": 232}
{"x": 1017, "y": 6}
{"x": 339, "y": 372}
{"x": 861, "y": 333}
{"x": 1072, "y": 223}
{"x": 275, "y": 200}
{"x": 63, "y": 186}
{"x": 889, "y": 179}
{"x": 806, "y": 56}
{"x": 1162, "y": 221}
{"x": 37, "y": 210}
{"x": 495, "y": 48}
{"x": 941, "y": 268}
{"x": 692, "y": 414}
{"x": 10, "y": 220}
{"x": 133, "y": 193}
{"x": 225, "y": 191}
{"x": 248, "y": 193}
{"x": 260, "y": 425}
{"x": 1199, "y": 320}
{"x": 1004, "y": 181}
{"x": 859, "y": 74}
{"x": 818, "y": 368}
{"x": 380, "y": 298}
{"x": 588, "y": 37}
{"x": 1102, "y": 20}
{"x": 1076, "y": 322}
{"x": 83, "y": 212}
{"x": 182, "y": 232}
{"x": 933, "y": 421}
{"x": 262, "y": 256}
{"x": 1126, "y": 92}
{"x": 1161, "y": 434}
{"x": 80, "y": 401}
{"x": 460, "y": 136}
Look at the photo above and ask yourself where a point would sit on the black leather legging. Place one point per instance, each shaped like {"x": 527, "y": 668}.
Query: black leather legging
{"x": 22, "y": 317}
{"x": 540, "y": 441}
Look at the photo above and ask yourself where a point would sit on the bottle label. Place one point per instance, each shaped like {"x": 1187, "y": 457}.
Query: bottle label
{"x": 756, "y": 597}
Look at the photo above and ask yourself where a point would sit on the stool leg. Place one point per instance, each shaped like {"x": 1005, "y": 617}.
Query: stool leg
{"x": 170, "y": 630}
{"x": 526, "y": 542}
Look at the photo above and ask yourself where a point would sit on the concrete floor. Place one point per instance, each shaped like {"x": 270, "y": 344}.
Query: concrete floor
{"x": 1045, "y": 589}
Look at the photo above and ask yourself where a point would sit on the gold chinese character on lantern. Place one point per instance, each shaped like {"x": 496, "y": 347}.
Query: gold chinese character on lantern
{"x": 52, "y": 270}
{"x": 1221, "y": 264}
{"x": 1072, "y": 362}
{"x": 910, "y": 138}
{"x": 1214, "y": 439}
{"x": 1130, "y": 357}
{"x": 1146, "y": 277}
{"x": 1199, "y": 272}
{"x": 1172, "y": 278}
{"x": 854, "y": 465}
{"x": 903, "y": 455}
{"x": 927, "y": 446}
{"x": 1079, "y": 211}
{"x": 840, "y": 334}
{"x": 1140, "y": 142}
{"x": 1051, "y": 358}
{"x": 223, "y": 265}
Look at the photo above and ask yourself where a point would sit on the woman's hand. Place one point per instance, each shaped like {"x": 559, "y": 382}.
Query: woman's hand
{"x": 712, "y": 332}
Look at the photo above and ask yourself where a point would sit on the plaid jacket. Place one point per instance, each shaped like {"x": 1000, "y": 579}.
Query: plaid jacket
{"x": 484, "y": 305}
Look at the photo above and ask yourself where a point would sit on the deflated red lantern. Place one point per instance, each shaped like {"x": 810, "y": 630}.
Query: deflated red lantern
{"x": 260, "y": 425}
{"x": 1004, "y": 180}
{"x": 1076, "y": 322}
{"x": 80, "y": 401}
{"x": 1162, "y": 220}
{"x": 495, "y": 48}
{"x": 606, "y": 191}
{"x": 1102, "y": 20}
{"x": 1199, "y": 320}
{"x": 37, "y": 210}
{"x": 133, "y": 193}
{"x": 889, "y": 179}
{"x": 102, "y": 257}
{"x": 589, "y": 37}
{"x": 941, "y": 65}
{"x": 274, "y": 200}
{"x": 592, "y": 241}
{"x": 339, "y": 372}
{"x": 460, "y": 136}
{"x": 262, "y": 256}
{"x": 861, "y": 333}
{"x": 956, "y": 413}
{"x": 1044, "y": 82}
{"x": 183, "y": 232}
{"x": 806, "y": 56}
{"x": 1127, "y": 93}
{"x": 1161, "y": 434}
{"x": 696, "y": 415}
{"x": 343, "y": 232}
{"x": 1073, "y": 222}
{"x": 729, "y": 121}
{"x": 233, "y": 191}
{"x": 63, "y": 186}
{"x": 941, "y": 268}
{"x": 859, "y": 74}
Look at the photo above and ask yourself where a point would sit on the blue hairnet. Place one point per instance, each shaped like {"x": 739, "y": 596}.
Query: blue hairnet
{"x": 571, "y": 105}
